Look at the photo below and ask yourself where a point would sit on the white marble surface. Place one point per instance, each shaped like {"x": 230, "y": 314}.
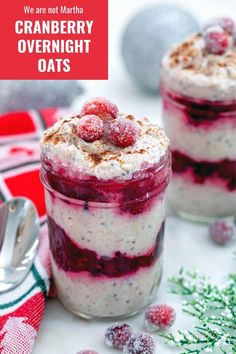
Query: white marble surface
{"x": 186, "y": 244}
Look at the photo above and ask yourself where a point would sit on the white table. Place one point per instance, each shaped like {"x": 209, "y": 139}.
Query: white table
{"x": 186, "y": 244}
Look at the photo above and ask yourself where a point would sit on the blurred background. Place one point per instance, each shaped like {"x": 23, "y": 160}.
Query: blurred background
{"x": 121, "y": 86}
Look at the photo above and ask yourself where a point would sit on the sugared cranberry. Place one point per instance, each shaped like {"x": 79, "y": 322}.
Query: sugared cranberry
{"x": 118, "y": 335}
{"x": 140, "y": 343}
{"x": 100, "y": 107}
{"x": 216, "y": 40}
{"x": 122, "y": 132}
{"x": 222, "y": 231}
{"x": 159, "y": 317}
{"x": 226, "y": 23}
{"x": 90, "y": 128}
{"x": 87, "y": 351}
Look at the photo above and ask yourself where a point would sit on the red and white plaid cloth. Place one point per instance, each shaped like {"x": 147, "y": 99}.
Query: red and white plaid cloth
{"x": 21, "y": 309}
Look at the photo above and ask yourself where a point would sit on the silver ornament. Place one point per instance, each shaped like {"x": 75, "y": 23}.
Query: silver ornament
{"x": 18, "y": 95}
{"x": 148, "y": 36}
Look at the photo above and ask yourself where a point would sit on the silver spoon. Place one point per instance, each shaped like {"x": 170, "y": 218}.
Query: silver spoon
{"x": 19, "y": 230}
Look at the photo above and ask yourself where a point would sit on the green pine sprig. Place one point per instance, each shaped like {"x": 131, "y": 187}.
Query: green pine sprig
{"x": 214, "y": 309}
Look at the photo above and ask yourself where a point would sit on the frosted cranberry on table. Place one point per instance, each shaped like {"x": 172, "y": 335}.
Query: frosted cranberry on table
{"x": 101, "y": 107}
{"x": 118, "y": 335}
{"x": 159, "y": 317}
{"x": 223, "y": 231}
{"x": 90, "y": 128}
{"x": 140, "y": 343}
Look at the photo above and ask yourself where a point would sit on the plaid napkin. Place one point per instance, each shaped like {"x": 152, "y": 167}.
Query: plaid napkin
{"x": 21, "y": 309}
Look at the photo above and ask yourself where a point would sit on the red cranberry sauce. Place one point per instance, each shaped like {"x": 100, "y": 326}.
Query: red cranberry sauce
{"x": 202, "y": 170}
{"x": 200, "y": 112}
{"x": 72, "y": 258}
{"x": 134, "y": 196}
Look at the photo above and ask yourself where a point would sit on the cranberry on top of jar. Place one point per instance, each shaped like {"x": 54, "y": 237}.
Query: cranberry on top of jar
{"x": 204, "y": 60}
{"x": 104, "y": 143}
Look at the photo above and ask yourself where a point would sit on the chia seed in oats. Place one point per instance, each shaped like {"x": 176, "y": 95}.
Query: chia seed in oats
{"x": 101, "y": 199}
{"x": 199, "y": 108}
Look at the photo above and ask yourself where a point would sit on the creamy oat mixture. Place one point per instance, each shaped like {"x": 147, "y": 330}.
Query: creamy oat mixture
{"x": 62, "y": 147}
{"x": 192, "y": 71}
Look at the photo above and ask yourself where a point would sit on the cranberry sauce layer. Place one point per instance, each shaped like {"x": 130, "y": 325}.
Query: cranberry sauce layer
{"x": 71, "y": 258}
{"x": 134, "y": 196}
{"x": 200, "y": 112}
{"x": 203, "y": 170}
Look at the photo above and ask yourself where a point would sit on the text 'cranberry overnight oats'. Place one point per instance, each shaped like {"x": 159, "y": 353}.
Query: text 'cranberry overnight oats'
{"x": 199, "y": 104}
{"x": 105, "y": 177}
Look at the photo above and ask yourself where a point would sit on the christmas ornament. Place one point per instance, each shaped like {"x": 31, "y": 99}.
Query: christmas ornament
{"x": 148, "y": 36}
{"x": 17, "y": 95}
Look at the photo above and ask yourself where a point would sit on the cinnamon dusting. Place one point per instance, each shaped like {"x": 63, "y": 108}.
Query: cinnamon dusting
{"x": 193, "y": 56}
{"x": 74, "y": 130}
{"x": 53, "y": 137}
{"x": 95, "y": 158}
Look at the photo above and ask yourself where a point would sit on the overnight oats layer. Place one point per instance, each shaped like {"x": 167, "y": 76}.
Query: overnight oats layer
{"x": 199, "y": 106}
{"x": 105, "y": 206}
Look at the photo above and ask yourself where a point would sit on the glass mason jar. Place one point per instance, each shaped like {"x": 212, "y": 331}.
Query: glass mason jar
{"x": 203, "y": 145}
{"x": 106, "y": 239}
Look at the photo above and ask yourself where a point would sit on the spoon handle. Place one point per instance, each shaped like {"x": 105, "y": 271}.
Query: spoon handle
{"x": 11, "y": 232}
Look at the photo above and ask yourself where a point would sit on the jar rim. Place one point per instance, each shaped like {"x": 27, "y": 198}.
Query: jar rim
{"x": 166, "y": 162}
{"x": 100, "y": 204}
{"x": 114, "y": 181}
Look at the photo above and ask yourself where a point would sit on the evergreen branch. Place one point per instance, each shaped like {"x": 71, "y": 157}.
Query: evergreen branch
{"x": 214, "y": 309}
